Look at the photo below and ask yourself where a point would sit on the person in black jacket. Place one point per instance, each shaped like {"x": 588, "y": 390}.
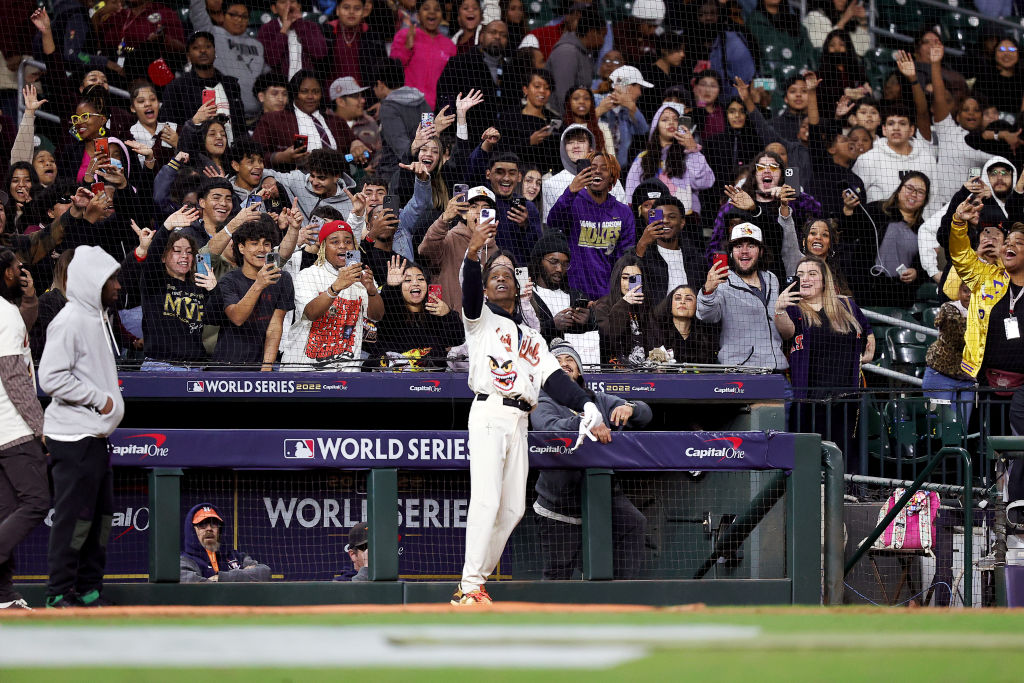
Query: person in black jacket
{"x": 670, "y": 255}
{"x": 731, "y": 150}
{"x": 675, "y": 327}
{"x": 466, "y": 70}
{"x": 184, "y": 95}
{"x": 561, "y": 310}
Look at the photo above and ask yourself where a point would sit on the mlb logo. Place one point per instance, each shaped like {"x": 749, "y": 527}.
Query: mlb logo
{"x": 298, "y": 449}
{"x": 195, "y": 387}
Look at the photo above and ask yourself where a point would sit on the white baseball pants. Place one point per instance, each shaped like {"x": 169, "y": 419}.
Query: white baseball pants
{"x": 498, "y": 466}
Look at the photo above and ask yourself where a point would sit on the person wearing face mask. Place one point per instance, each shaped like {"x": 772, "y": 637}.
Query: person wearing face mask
{"x": 831, "y": 338}
{"x": 741, "y": 296}
{"x": 993, "y": 350}
{"x": 774, "y": 208}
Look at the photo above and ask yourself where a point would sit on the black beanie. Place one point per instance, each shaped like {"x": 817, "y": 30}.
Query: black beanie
{"x": 551, "y": 242}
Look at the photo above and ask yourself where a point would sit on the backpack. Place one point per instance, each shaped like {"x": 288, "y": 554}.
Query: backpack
{"x": 914, "y": 527}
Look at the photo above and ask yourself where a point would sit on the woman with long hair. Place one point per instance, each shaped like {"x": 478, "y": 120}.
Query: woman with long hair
{"x": 160, "y": 136}
{"x": 673, "y": 157}
{"x": 418, "y": 327}
{"x": 19, "y": 184}
{"x": 828, "y": 16}
{"x": 708, "y": 120}
{"x": 880, "y": 256}
{"x": 532, "y": 132}
{"x": 817, "y": 237}
{"x": 468, "y": 17}
{"x": 840, "y": 71}
{"x": 513, "y": 13}
{"x": 732, "y": 151}
{"x": 50, "y": 303}
{"x": 831, "y": 338}
{"x": 1002, "y": 83}
{"x": 674, "y": 326}
{"x": 622, "y": 316}
{"x": 580, "y": 109}
{"x": 174, "y": 293}
{"x": 204, "y": 137}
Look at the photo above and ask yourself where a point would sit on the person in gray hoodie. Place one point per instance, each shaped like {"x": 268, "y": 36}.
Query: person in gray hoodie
{"x": 570, "y": 62}
{"x": 559, "y": 501}
{"x": 324, "y": 184}
{"x": 742, "y": 297}
{"x": 401, "y": 107}
{"x": 576, "y": 143}
{"x": 238, "y": 54}
{"x": 78, "y": 370}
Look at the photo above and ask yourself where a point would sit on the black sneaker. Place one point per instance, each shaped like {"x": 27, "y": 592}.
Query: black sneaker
{"x": 62, "y": 601}
{"x": 94, "y": 599}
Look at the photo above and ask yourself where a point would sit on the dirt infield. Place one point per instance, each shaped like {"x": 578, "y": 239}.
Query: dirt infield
{"x": 150, "y": 611}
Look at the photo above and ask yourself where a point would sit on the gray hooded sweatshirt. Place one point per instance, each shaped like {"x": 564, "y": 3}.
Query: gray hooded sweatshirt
{"x": 749, "y": 336}
{"x": 399, "y": 116}
{"x": 298, "y": 186}
{"x": 78, "y": 369}
{"x": 556, "y": 184}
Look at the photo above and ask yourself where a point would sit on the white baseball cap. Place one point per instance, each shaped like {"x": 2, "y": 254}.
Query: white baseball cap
{"x": 746, "y": 231}
{"x": 628, "y": 75}
{"x": 652, "y": 11}
{"x": 480, "y": 192}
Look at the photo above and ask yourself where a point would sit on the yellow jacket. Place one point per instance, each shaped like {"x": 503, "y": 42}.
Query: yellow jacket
{"x": 988, "y": 283}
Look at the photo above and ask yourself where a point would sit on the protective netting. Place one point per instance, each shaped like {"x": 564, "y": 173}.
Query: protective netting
{"x": 624, "y": 148}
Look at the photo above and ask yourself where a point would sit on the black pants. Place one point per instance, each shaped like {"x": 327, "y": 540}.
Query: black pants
{"x": 562, "y": 543}
{"x": 83, "y": 506}
{"x": 24, "y": 500}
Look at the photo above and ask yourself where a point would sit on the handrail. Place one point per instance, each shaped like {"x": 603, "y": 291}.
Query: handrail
{"x": 46, "y": 116}
{"x": 948, "y": 489}
{"x": 942, "y": 454}
{"x": 897, "y": 322}
{"x": 971, "y": 13}
{"x": 904, "y": 38}
{"x": 892, "y": 374}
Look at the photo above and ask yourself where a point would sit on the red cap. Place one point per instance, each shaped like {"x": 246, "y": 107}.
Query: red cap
{"x": 206, "y": 512}
{"x": 332, "y": 227}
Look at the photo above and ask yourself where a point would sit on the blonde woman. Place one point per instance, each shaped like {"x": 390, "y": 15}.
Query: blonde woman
{"x": 830, "y": 339}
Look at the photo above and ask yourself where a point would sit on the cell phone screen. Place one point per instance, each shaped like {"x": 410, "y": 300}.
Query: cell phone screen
{"x": 300, "y": 142}
{"x": 582, "y": 165}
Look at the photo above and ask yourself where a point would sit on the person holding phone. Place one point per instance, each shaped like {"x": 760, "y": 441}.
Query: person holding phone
{"x": 576, "y": 143}
{"x": 334, "y": 300}
{"x": 184, "y": 95}
{"x": 252, "y": 301}
{"x": 562, "y": 311}
{"x": 741, "y": 295}
{"x": 528, "y": 133}
{"x": 831, "y": 338}
{"x": 670, "y": 251}
{"x": 623, "y": 316}
{"x": 674, "y": 157}
{"x": 174, "y": 294}
{"x": 675, "y": 328}
{"x": 417, "y": 328}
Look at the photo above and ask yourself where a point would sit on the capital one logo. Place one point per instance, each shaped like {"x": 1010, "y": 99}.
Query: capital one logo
{"x": 155, "y": 447}
{"x": 729, "y": 451}
{"x": 730, "y": 388}
{"x": 559, "y": 445}
{"x": 431, "y": 385}
{"x": 299, "y": 449}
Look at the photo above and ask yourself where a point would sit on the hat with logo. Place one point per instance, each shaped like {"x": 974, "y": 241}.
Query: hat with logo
{"x": 481, "y": 192}
{"x": 746, "y": 231}
{"x": 628, "y": 75}
{"x": 560, "y": 347}
{"x": 206, "y": 512}
{"x": 344, "y": 86}
{"x": 357, "y": 536}
{"x": 331, "y": 227}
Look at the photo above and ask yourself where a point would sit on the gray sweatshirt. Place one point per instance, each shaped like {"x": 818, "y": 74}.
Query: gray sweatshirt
{"x": 298, "y": 186}
{"x": 78, "y": 369}
{"x": 238, "y": 56}
{"x": 748, "y": 337}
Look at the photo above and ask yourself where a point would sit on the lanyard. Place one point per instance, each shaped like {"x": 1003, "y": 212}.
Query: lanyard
{"x": 1015, "y": 299}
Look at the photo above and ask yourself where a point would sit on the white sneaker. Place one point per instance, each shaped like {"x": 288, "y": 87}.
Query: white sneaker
{"x": 15, "y": 604}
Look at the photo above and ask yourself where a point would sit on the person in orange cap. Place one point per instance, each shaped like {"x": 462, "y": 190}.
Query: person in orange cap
{"x": 208, "y": 558}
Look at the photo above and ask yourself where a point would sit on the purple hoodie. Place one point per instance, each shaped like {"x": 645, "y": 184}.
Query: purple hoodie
{"x": 598, "y": 235}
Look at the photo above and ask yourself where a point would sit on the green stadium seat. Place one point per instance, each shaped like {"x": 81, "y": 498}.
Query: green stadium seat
{"x": 918, "y": 309}
{"x": 929, "y": 292}
{"x": 928, "y": 316}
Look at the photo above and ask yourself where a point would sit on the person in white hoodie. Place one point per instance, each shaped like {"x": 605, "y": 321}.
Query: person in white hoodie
{"x": 881, "y": 168}
{"x": 577, "y": 142}
{"x": 79, "y": 372}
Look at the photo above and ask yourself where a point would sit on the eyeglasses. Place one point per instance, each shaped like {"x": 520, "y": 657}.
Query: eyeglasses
{"x": 998, "y": 172}
{"x": 915, "y": 191}
{"x": 237, "y": 15}
{"x": 554, "y": 262}
{"x": 362, "y": 546}
{"x": 1007, "y": 48}
{"x": 767, "y": 167}
{"x": 612, "y": 61}
{"x": 84, "y": 118}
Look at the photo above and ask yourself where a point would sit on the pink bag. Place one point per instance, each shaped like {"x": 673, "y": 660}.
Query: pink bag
{"x": 914, "y": 527}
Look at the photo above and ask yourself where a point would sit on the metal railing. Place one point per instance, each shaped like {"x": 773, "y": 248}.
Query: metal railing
{"x": 45, "y": 115}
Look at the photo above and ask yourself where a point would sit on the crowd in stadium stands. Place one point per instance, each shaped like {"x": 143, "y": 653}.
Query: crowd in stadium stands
{"x": 293, "y": 185}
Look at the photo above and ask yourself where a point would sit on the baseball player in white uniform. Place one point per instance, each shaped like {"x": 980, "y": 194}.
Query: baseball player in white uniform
{"x": 508, "y": 365}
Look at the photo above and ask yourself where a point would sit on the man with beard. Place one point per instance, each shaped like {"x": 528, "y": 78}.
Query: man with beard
{"x": 771, "y": 208}
{"x": 742, "y": 297}
{"x": 464, "y": 72}
{"x": 205, "y": 558}
{"x": 24, "y": 494}
{"x": 561, "y": 310}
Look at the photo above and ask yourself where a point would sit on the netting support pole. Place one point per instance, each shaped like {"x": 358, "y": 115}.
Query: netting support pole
{"x": 832, "y": 466}
{"x": 164, "y": 524}
{"x": 803, "y": 520}
{"x": 597, "y": 525}
{"x": 942, "y": 454}
{"x": 382, "y": 503}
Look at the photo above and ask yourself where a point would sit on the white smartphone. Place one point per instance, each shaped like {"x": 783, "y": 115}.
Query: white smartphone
{"x": 522, "y": 277}
{"x": 486, "y": 215}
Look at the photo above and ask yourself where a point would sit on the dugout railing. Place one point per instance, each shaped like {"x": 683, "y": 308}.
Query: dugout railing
{"x": 760, "y": 489}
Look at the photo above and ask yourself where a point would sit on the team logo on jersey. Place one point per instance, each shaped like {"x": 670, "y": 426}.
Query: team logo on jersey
{"x": 504, "y": 374}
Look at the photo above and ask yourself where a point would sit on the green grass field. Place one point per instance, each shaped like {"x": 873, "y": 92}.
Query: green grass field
{"x": 794, "y": 644}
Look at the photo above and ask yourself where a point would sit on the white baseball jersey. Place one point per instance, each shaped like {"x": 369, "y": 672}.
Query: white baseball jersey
{"x": 505, "y": 358}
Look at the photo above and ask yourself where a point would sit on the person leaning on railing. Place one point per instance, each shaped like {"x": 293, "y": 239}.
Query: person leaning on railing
{"x": 992, "y": 342}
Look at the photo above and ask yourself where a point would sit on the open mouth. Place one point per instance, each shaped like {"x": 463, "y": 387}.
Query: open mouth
{"x": 506, "y": 186}
{"x": 767, "y": 179}
{"x": 818, "y": 246}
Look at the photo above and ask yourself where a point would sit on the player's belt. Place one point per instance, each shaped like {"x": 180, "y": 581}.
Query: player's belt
{"x": 510, "y": 402}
